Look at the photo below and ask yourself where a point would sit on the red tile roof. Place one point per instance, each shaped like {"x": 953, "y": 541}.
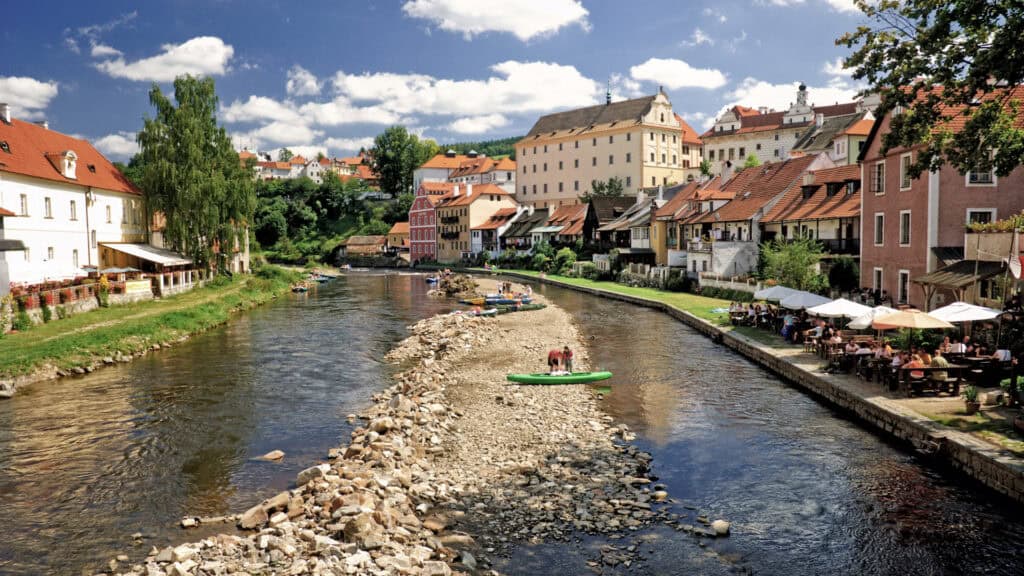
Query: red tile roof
{"x": 464, "y": 199}
{"x": 275, "y": 165}
{"x": 753, "y": 121}
{"x": 570, "y": 217}
{"x": 442, "y": 161}
{"x": 756, "y": 187}
{"x": 479, "y": 165}
{"x": 364, "y": 172}
{"x": 679, "y": 201}
{"x": 5, "y": 212}
{"x": 399, "y": 228}
{"x": 690, "y": 135}
{"x": 497, "y": 220}
{"x": 819, "y": 206}
{"x": 860, "y": 128}
{"x": 30, "y": 143}
{"x": 437, "y": 188}
{"x": 298, "y": 160}
{"x": 506, "y": 163}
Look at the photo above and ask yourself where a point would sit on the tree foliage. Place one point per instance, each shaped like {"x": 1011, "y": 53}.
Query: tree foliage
{"x": 395, "y": 154}
{"x": 752, "y": 161}
{"x": 844, "y": 274}
{"x": 793, "y": 263}
{"x": 284, "y": 155}
{"x": 191, "y": 173}
{"x": 705, "y": 167}
{"x": 498, "y": 147}
{"x": 612, "y": 187}
{"x": 939, "y": 61}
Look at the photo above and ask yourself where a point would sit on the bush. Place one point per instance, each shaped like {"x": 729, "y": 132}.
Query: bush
{"x": 589, "y": 270}
{"x": 564, "y": 260}
{"x": 680, "y": 283}
{"x": 22, "y": 322}
{"x": 62, "y": 312}
{"x": 47, "y": 313}
{"x": 727, "y": 294}
{"x": 540, "y": 262}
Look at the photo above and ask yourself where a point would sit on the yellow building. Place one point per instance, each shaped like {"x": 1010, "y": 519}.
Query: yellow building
{"x": 640, "y": 141}
{"x": 462, "y": 209}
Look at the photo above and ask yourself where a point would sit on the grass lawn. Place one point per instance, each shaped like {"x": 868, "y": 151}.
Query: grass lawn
{"x": 997, "y": 430}
{"x": 80, "y": 339}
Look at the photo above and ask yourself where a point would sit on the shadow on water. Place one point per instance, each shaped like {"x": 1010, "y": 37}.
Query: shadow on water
{"x": 86, "y": 462}
{"x": 807, "y": 491}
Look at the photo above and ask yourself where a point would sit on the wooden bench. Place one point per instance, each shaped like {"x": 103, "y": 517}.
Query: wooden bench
{"x": 910, "y": 385}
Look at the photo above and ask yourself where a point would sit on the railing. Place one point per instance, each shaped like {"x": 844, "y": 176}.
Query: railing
{"x": 449, "y": 235}
{"x": 450, "y": 220}
{"x": 843, "y": 246}
{"x": 698, "y": 246}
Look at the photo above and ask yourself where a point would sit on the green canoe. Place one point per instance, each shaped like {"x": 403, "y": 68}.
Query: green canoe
{"x": 545, "y": 378}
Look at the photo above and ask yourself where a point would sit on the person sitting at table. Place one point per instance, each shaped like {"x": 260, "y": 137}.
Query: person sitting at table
{"x": 939, "y": 361}
{"x": 915, "y": 362}
{"x": 968, "y": 346}
{"x": 868, "y": 350}
{"x": 926, "y": 358}
{"x": 1001, "y": 355}
{"x": 836, "y": 337}
{"x": 851, "y": 347}
{"x": 751, "y": 313}
{"x": 788, "y": 322}
{"x": 946, "y": 346}
{"x": 980, "y": 352}
{"x": 898, "y": 359}
{"x": 956, "y": 346}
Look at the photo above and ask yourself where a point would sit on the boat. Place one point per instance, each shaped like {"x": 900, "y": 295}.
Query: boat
{"x": 509, "y": 301}
{"x": 490, "y": 312}
{"x": 521, "y": 308}
{"x": 478, "y": 301}
{"x": 432, "y": 279}
{"x": 545, "y": 378}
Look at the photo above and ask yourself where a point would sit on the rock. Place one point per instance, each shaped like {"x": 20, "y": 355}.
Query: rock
{"x": 6, "y": 389}
{"x": 312, "y": 473}
{"x": 435, "y": 568}
{"x": 165, "y": 555}
{"x": 721, "y": 527}
{"x": 182, "y": 553}
{"x": 278, "y": 519}
{"x": 467, "y": 560}
{"x": 189, "y": 522}
{"x": 434, "y": 524}
{"x": 253, "y": 518}
{"x": 273, "y": 455}
{"x": 659, "y": 495}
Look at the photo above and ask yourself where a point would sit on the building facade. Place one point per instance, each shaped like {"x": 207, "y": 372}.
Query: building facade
{"x": 67, "y": 199}
{"x": 462, "y": 210}
{"x": 423, "y": 220}
{"x": 438, "y": 168}
{"x": 641, "y": 141}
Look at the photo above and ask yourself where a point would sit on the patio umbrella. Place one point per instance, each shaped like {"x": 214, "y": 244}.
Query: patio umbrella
{"x": 964, "y": 312}
{"x": 775, "y": 293}
{"x": 841, "y": 308}
{"x": 864, "y": 321}
{"x": 801, "y": 300}
{"x": 913, "y": 319}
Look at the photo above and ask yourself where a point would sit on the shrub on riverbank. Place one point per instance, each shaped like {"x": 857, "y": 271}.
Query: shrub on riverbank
{"x": 85, "y": 339}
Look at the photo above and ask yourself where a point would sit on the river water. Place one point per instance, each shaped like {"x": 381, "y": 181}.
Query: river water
{"x": 86, "y": 462}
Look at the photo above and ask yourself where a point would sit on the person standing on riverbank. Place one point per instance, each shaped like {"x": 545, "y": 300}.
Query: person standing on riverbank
{"x": 554, "y": 360}
{"x": 567, "y": 359}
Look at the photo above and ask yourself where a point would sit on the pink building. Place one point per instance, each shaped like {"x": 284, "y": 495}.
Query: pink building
{"x": 913, "y": 227}
{"x": 422, "y": 221}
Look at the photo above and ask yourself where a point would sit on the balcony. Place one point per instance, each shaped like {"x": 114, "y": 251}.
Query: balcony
{"x": 843, "y": 246}
{"x": 449, "y": 235}
{"x": 450, "y": 220}
{"x": 698, "y": 246}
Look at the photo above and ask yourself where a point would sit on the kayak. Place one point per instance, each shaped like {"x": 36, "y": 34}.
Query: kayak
{"x": 432, "y": 279}
{"x": 545, "y": 378}
{"x": 509, "y": 301}
{"x": 479, "y": 301}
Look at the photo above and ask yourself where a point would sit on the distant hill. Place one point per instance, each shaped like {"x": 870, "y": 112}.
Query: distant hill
{"x": 492, "y": 148}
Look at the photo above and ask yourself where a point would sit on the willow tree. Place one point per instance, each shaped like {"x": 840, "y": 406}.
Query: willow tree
{"x": 192, "y": 175}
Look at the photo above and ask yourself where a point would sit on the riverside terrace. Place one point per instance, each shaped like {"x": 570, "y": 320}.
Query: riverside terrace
{"x": 984, "y": 446}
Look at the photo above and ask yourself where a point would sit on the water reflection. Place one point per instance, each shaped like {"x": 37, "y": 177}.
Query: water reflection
{"x": 86, "y": 462}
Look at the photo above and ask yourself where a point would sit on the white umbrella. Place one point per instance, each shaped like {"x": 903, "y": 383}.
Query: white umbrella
{"x": 964, "y": 312}
{"x": 864, "y": 321}
{"x": 802, "y": 300}
{"x": 775, "y": 293}
{"x": 841, "y": 308}
{"x": 913, "y": 319}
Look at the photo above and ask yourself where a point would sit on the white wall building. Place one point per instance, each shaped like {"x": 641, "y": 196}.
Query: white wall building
{"x": 67, "y": 199}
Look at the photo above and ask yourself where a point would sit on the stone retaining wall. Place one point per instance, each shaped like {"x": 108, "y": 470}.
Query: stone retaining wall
{"x": 974, "y": 457}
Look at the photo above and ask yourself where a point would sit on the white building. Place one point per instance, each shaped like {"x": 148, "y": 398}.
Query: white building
{"x": 314, "y": 170}
{"x": 483, "y": 170}
{"x": 438, "y": 168}
{"x": 67, "y": 199}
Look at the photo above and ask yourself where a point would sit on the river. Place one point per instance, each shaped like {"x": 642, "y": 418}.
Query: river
{"x": 86, "y": 462}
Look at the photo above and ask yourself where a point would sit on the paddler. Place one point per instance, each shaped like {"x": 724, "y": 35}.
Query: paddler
{"x": 554, "y": 359}
{"x": 567, "y": 359}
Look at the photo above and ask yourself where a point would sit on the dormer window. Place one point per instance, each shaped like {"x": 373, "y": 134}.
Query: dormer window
{"x": 70, "y": 164}
{"x": 833, "y": 188}
{"x": 5, "y": 146}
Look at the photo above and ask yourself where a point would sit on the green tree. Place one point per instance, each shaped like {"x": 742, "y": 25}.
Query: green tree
{"x": 395, "y": 154}
{"x": 752, "y": 161}
{"x": 133, "y": 170}
{"x": 284, "y": 155}
{"x": 191, "y": 173}
{"x": 705, "y": 168}
{"x": 612, "y": 187}
{"x": 844, "y": 274}
{"x": 271, "y": 225}
{"x": 792, "y": 263}
{"x": 398, "y": 209}
{"x": 940, "y": 62}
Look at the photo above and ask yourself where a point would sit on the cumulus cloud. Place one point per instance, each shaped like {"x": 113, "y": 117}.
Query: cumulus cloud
{"x": 624, "y": 88}
{"x": 302, "y": 82}
{"x": 836, "y": 5}
{"x": 526, "y": 19}
{"x": 835, "y": 68}
{"x": 282, "y": 133}
{"x": 200, "y": 56}
{"x": 753, "y": 92}
{"x": 699, "y": 120}
{"x": 675, "y": 74}
{"x": 307, "y": 151}
{"x": 28, "y": 97}
{"x": 259, "y": 108}
{"x": 117, "y": 146}
{"x": 478, "y": 124}
{"x": 342, "y": 145}
{"x": 103, "y": 51}
{"x": 712, "y": 13}
{"x": 341, "y": 111}
{"x": 697, "y": 38}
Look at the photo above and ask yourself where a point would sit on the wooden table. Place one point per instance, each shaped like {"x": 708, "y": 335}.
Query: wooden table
{"x": 954, "y": 377}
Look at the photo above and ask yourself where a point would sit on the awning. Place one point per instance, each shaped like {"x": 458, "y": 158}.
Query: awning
{"x": 5, "y": 212}
{"x": 150, "y": 254}
{"x": 635, "y": 251}
{"x": 961, "y": 275}
{"x": 546, "y": 229}
{"x": 11, "y": 245}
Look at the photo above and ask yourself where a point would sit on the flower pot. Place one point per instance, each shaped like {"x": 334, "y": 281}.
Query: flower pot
{"x": 971, "y": 407}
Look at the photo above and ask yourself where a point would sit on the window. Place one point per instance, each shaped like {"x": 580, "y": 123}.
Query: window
{"x": 545, "y": 188}
{"x": 24, "y": 205}
{"x": 905, "y": 172}
{"x": 577, "y": 144}
{"x": 981, "y": 215}
{"x": 611, "y": 139}
{"x": 663, "y": 158}
{"x": 545, "y": 166}
{"x": 629, "y": 157}
{"x": 534, "y": 168}
{"x": 903, "y": 287}
{"x": 652, "y": 156}
{"x": 576, "y": 185}
{"x": 524, "y": 168}
{"x": 686, "y": 149}
{"x": 534, "y": 149}
{"x": 595, "y": 142}
{"x": 74, "y": 258}
{"x": 524, "y": 188}
{"x": 990, "y": 289}
{"x": 576, "y": 163}
{"x": 560, "y": 187}
{"x": 92, "y": 239}
{"x": 611, "y": 159}
{"x": 711, "y": 154}
{"x": 654, "y": 181}
{"x": 758, "y": 147}
{"x": 559, "y": 164}
{"x": 534, "y": 188}
{"x": 776, "y": 152}
{"x": 904, "y": 227}
{"x": 776, "y": 137}
{"x": 593, "y": 161}
{"x": 878, "y": 178}
{"x": 978, "y": 177}
{"x": 629, "y": 181}
{"x": 545, "y": 148}
{"x": 673, "y": 158}
{"x": 652, "y": 136}
{"x": 523, "y": 152}
{"x": 47, "y": 208}
{"x": 559, "y": 146}
{"x": 49, "y": 253}
{"x": 879, "y": 229}
{"x": 628, "y": 136}
{"x": 743, "y": 152}
{"x": 674, "y": 139}
{"x": 876, "y": 279}
{"x": 108, "y": 214}
{"x": 662, "y": 117}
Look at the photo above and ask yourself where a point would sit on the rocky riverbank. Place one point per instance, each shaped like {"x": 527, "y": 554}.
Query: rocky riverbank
{"x": 451, "y": 468}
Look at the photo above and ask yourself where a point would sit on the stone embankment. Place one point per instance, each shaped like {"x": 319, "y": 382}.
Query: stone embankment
{"x": 451, "y": 467}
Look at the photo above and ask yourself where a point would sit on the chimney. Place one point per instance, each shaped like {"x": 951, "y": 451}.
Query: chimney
{"x": 455, "y": 191}
{"x": 762, "y": 110}
{"x": 5, "y": 112}
{"x": 450, "y": 153}
{"x": 661, "y": 192}
{"x": 819, "y": 119}
{"x": 469, "y": 189}
{"x": 809, "y": 179}
{"x": 45, "y": 124}
{"x": 726, "y": 171}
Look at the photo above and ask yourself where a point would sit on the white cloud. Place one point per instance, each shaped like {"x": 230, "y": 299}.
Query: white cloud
{"x": 514, "y": 90}
{"x": 118, "y": 146}
{"x": 526, "y": 19}
{"x": 302, "y": 82}
{"x": 624, "y": 88}
{"x": 675, "y": 74}
{"x": 103, "y": 51}
{"x": 28, "y": 97}
{"x": 307, "y": 151}
{"x": 754, "y": 93}
{"x": 843, "y": 5}
{"x": 835, "y": 68}
{"x": 259, "y": 108}
{"x": 712, "y": 13}
{"x": 836, "y": 5}
{"x": 699, "y": 120}
{"x": 341, "y": 111}
{"x": 200, "y": 56}
{"x": 342, "y": 145}
{"x": 697, "y": 38}
{"x": 284, "y": 133}
{"x": 72, "y": 45}
{"x": 478, "y": 124}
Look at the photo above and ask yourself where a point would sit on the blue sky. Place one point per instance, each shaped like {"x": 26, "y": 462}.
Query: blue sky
{"x": 330, "y": 75}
